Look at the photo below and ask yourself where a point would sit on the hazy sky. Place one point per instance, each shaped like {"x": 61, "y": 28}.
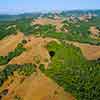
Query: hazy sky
{"x": 21, "y": 6}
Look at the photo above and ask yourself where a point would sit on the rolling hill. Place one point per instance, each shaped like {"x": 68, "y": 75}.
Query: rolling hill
{"x": 51, "y": 56}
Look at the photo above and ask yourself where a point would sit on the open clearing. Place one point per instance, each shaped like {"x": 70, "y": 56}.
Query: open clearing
{"x": 39, "y": 87}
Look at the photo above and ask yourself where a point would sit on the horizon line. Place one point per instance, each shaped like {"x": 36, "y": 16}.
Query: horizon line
{"x": 46, "y": 11}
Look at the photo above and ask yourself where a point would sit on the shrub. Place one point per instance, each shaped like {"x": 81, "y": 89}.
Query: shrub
{"x": 17, "y": 97}
{"x": 42, "y": 67}
{"x": 51, "y": 53}
{"x": 8, "y": 71}
{"x": 24, "y": 41}
{"x": 5, "y": 31}
{"x": 27, "y": 69}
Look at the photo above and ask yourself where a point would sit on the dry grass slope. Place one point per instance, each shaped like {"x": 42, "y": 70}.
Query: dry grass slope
{"x": 9, "y": 43}
{"x": 39, "y": 87}
{"x": 35, "y": 51}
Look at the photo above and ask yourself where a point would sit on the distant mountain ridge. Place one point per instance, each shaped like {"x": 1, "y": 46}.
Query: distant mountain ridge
{"x": 8, "y": 17}
{"x": 81, "y": 12}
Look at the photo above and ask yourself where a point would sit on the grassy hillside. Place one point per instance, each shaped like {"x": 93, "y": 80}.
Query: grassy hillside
{"x": 37, "y": 61}
{"x": 76, "y": 30}
{"x": 73, "y": 72}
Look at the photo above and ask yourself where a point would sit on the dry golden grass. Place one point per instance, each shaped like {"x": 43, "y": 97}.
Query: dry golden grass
{"x": 35, "y": 51}
{"x": 9, "y": 43}
{"x": 45, "y": 21}
{"x": 11, "y": 84}
{"x": 38, "y": 87}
